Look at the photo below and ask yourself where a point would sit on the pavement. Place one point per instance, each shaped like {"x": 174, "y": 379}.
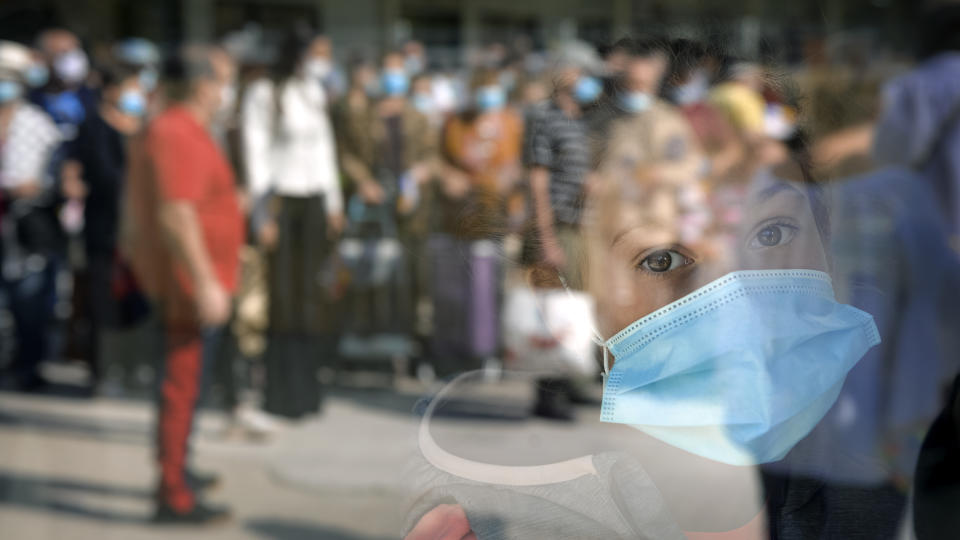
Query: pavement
{"x": 79, "y": 468}
{"x": 82, "y": 468}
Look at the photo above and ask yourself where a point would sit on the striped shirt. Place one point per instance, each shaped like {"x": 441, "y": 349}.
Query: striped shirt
{"x": 559, "y": 143}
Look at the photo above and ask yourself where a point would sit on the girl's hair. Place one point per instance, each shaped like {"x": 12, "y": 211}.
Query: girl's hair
{"x": 292, "y": 49}
{"x": 939, "y": 31}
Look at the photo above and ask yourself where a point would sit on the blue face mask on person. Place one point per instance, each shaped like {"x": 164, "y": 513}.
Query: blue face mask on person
{"x": 394, "y": 83}
{"x": 739, "y": 370}
{"x": 9, "y": 91}
{"x": 37, "y": 75}
{"x": 149, "y": 78}
{"x": 423, "y": 103}
{"x": 587, "y": 89}
{"x": 692, "y": 91}
{"x": 636, "y": 102}
{"x": 133, "y": 103}
{"x": 491, "y": 98}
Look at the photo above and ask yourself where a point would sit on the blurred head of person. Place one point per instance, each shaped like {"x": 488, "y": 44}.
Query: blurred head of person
{"x": 123, "y": 98}
{"x": 489, "y": 97}
{"x": 414, "y": 58}
{"x": 303, "y": 53}
{"x": 15, "y": 60}
{"x": 747, "y": 74}
{"x": 421, "y": 94}
{"x": 363, "y": 81}
{"x": 615, "y": 59}
{"x": 722, "y": 328}
{"x": 143, "y": 56}
{"x": 644, "y": 70}
{"x": 689, "y": 79}
{"x": 534, "y": 91}
{"x": 394, "y": 81}
{"x": 653, "y": 240}
{"x": 494, "y": 55}
{"x": 202, "y": 78}
{"x": 67, "y": 61}
{"x": 573, "y": 72}
{"x": 37, "y": 74}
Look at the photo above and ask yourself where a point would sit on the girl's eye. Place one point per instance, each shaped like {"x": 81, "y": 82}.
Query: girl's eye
{"x": 772, "y": 235}
{"x": 664, "y": 260}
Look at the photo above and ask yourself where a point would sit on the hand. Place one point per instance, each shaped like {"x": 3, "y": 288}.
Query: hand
{"x": 553, "y": 254}
{"x": 445, "y": 522}
{"x": 335, "y": 224}
{"x": 456, "y": 185}
{"x": 268, "y": 234}
{"x": 213, "y": 304}
{"x": 27, "y": 190}
{"x": 420, "y": 173}
{"x": 72, "y": 185}
{"x": 371, "y": 192}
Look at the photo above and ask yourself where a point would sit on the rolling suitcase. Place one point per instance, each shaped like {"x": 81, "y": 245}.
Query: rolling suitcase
{"x": 466, "y": 276}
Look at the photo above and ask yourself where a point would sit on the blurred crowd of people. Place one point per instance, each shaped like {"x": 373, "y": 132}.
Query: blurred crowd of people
{"x": 269, "y": 202}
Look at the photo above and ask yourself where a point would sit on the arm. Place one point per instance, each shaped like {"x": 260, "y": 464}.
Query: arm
{"x": 538, "y": 155}
{"x": 181, "y": 230}
{"x": 333, "y": 197}
{"x": 256, "y": 134}
{"x": 356, "y": 171}
{"x": 362, "y": 178}
{"x": 543, "y": 217}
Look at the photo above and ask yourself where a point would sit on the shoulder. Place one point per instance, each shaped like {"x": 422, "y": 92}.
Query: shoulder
{"x": 30, "y": 120}
{"x": 258, "y": 91}
{"x": 173, "y": 123}
{"x": 29, "y": 113}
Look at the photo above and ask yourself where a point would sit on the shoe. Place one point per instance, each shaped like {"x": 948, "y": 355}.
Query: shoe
{"x": 201, "y": 481}
{"x": 553, "y": 404}
{"x": 257, "y": 422}
{"x": 33, "y": 383}
{"x": 200, "y": 514}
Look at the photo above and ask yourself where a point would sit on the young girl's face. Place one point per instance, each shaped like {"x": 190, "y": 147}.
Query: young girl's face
{"x": 650, "y": 243}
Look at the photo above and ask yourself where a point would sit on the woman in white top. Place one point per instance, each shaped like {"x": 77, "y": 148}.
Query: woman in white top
{"x": 298, "y": 211}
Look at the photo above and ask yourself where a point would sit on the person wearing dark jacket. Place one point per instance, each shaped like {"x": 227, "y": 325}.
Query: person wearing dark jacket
{"x": 98, "y": 158}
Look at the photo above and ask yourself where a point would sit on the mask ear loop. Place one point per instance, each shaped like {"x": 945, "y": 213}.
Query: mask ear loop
{"x": 597, "y": 338}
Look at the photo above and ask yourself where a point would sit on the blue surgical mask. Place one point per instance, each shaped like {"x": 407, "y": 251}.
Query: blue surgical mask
{"x": 508, "y": 79}
{"x": 423, "y": 103}
{"x": 9, "y": 91}
{"x": 37, "y": 75}
{"x": 739, "y": 370}
{"x": 414, "y": 65}
{"x": 149, "y": 78}
{"x": 394, "y": 82}
{"x": 635, "y": 102}
{"x": 692, "y": 91}
{"x": 133, "y": 103}
{"x": 491, "y": 98}
{"x": 587, "y": 89}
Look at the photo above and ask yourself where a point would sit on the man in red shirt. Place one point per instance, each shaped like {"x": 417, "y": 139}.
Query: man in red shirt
{"x": 195, "y": 267}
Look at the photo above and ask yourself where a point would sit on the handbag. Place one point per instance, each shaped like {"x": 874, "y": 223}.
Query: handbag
{"x": 549, "y": 331}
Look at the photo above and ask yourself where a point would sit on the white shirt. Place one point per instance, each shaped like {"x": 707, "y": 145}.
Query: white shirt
{"x": 31, "y": 140}
{"x": 295, "y": 156}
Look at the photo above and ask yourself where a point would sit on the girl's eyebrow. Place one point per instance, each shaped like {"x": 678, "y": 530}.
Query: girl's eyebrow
{"x": 768, "y": 192}
{"x": 617, "y": 237}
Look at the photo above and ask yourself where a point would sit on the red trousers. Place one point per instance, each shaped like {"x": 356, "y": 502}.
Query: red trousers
{"x": 183, "y": 370}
